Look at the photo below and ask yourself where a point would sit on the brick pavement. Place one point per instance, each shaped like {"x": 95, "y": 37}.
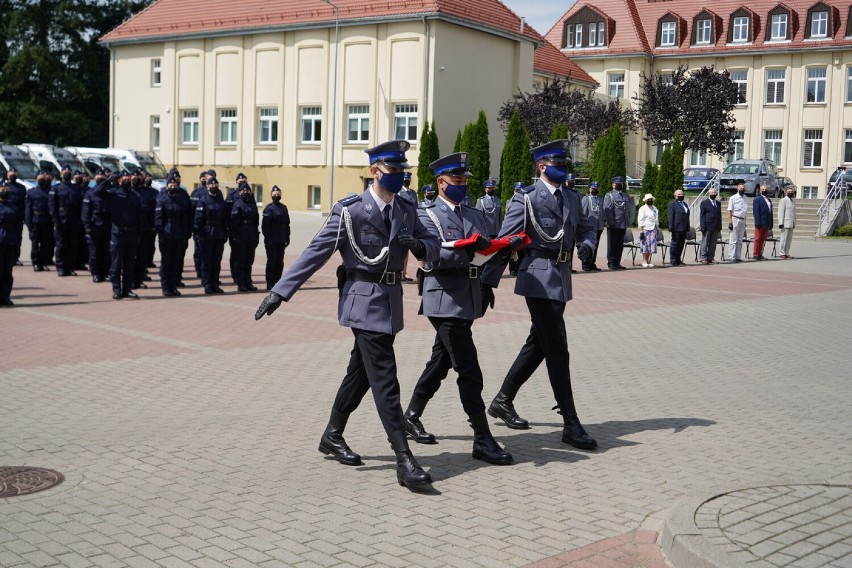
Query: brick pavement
{"x": 187, "y": 431}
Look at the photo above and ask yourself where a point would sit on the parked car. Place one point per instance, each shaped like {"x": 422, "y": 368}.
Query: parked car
{"x": 784, "y": 183}
{"x": 697, "y": 178}
{"x": 634, "y": 184}
{"x": 752, "y": 173}
{"x": 842, "y": 172}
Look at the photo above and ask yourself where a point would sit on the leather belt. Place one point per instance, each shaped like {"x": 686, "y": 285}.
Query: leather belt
{"x": 471, "y": 271}
{"x": 738, "y": 217}
{"x": 389, "y": 278}
{"x": 558, "y": 256}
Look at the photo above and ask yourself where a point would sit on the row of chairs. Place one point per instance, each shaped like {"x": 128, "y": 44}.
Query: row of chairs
{"x": 632, "y": 245}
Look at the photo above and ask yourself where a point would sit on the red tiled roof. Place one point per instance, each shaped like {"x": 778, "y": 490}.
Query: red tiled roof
{"x": 637, "y": 21}
{"x": 548, "y": 59}
{"x": 170, "y": 18}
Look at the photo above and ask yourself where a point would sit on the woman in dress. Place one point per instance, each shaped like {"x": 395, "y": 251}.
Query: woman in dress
{"x": 648, "y": 221}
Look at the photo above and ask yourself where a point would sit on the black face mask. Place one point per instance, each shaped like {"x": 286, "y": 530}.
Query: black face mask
{"x": 595, "y": 191}
{"x": 790, "y": 195}
{"x": 740, "y": 191}
{"x": 172, "y": 190}
{"x": 203, "y": 183}
{"x": 490, "y": 192}
{"x": 679, "y": 198}
{"x": 713, "y": 197}
{"x": 212, "y": 189}
{"x": 276, "y": 198}
{"x": 13, "y": 178}
{"x": 125, "y": 185}
{"x": 66, "y": 177}
{"x": 246, "y": 196}
{"x": 43, "y": 183}
{"x": 618, "y": 187}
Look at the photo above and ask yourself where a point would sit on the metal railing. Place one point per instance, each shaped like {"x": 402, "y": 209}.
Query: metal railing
{"x": 834, "y": 199}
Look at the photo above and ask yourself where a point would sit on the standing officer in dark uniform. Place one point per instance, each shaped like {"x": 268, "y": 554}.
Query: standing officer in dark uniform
{"x": 243, "y": 229}
{"x": 38, "y": 221}
{"x": 66, "y": 210}
{"x": 10, "y": 241}
{"x": 552, "y": 219}
{"x": 372, "y": 231}
{"x": 83, "y": 240}
{"x": 173, "y": 220}
{"x": 276, "y": 236}
{"x": 428, "y": 195}
{"x": 211, "y": 231}
{"x": 233, "y": 195}
{"x": 195, "y": 197}
{"x": 18, "y": 196}
{"x": 125, "y": 212}
{"x": 618, "y": 208}
{"x": 452, "y": 300}
{"x": 593, "y": 210}
{"x": 97, "y": 225}
{"x": 145, "y": 250}
{"x": 492, "y": 208}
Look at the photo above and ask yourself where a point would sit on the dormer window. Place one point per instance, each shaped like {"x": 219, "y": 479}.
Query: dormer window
{"x": 586, "y": 28}
{"x": 780, "y": 24}
{"x": 740, "y": 29}
{"x": 741, "y": 26}
{"x": 702, "y": 31}
{"x": 819, "y": 22}
{"x": 668, "y": 33}
{"x": 578, "y": 35}
{"x": 779, "y": 27}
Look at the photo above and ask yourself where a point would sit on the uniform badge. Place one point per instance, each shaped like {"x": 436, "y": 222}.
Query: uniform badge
{"x": 443, "y": 208}
{"x": 369, "y": 207}
{"x": 542, "y": 193}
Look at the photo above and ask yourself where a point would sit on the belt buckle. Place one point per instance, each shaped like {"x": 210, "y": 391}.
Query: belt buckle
{"x": 473, "y": 272}
{"x": 563, "y": 256}
{"x": 390, "y": 278}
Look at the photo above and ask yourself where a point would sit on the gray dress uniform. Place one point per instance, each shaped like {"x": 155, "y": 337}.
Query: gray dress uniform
{"x": 592, "y": 207}
{"x": 492, "y": 209}
{"x": 618, "y": 208}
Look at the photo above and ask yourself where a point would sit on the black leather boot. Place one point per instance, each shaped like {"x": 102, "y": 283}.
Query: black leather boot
{"x": 502, "y": 407}
{"x": 408, "y": 471}
{"x": 485, "y": 447}
{"x": 573, "y": 433}
{"x": 332, "y": 442}
{"x": 413, "y": 425}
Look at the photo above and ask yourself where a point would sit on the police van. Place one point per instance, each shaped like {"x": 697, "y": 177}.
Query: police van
{"x": 95, "y": 160}
{"x": 14, "y": 157}
{"x": 52, "y": 159}
{"x": 131, "y": 159}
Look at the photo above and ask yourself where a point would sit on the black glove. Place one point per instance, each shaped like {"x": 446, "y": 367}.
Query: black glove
{"x": 286, "y": 244}
{"x": 515, "y": 243}
{"x": 781, "y": 226}
{"x": 487, "y": 297}
{"x": 480, "y": 244}
{"x": 417, "y": 248}
{"x": 585, "y": 252}
{"x": 730, "y": 226}
{"x": 268, "y": 305}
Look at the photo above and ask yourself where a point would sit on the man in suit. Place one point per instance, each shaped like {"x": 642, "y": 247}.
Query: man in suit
{"x": 710, "y": 223}
{"x": 787, "y": 221}
{"x": 762, "y": 210}
{"x": 452, "y": 300}
{"x": 553, "y": 219}
{"x": 492, "y": 208}
{"x": 372, "y": 232}
{"x": 678, "y": 217}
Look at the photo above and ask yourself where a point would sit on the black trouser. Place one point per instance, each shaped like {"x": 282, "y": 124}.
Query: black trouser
{"x": 67, "y": 239}
{"x": 548, "y": 342}
{"x": 122, "y": 251}
{"x": 41, "y": 244}
{"x": 614, "y": 245}
{"x": 274, "y": 263}
{"x": 594, "y": 258}
{"x": 8, "y": 256}
{"x": 197, "y": 254}
{"x": 372, "y": 365}
{"x": 453, "y": 348}
{"x": 242, "y": 255}
{"x": 211, "y": 261}
{"x": 82, "y": 248}
{"x": 144, "y": 253}
{"x": 676, "y": 244}
{"x": 184, "y": 246}
{"x": 99, "y": 253}
{"x": 171, "y": 258}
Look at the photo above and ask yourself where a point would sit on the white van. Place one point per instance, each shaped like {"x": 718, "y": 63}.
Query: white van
{"x": 132, "y": 159}
{"x": 52, "y": 158}
{"x": 94, "y": 160}
{"x": 14, "y": 157}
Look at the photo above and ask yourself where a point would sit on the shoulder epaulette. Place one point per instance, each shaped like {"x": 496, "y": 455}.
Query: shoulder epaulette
{"x": 346, "y": 201}
{"x": 527, "y": 189}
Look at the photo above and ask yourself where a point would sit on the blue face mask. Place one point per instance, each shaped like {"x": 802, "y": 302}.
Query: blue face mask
{"x": 556, "y": 174}
{"x": 455, "y": 193}
{"x": 392, "y": 182}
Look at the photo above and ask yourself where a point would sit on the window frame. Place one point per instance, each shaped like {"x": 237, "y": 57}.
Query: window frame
{"x": 813, "y": 22}
{"x": 776, "y": 145}
{"x": 267, "y": 124}
{"x": 578, "y": 35}
{"x": 569, "y": 35}
{"x": 310, "y": 117}
{"x": 702, "y": 27}
{"x": 740, "y": 27}
{"x": 232, "y": 125}
{"x": 664, "y": 31}
{"x": 194, "y": 127}
{"x": 363, "y": 131}
{"x": 620, "y": 85}
{"x": 156, "y": 132}
{"x": 816, "y": 149}
{"x": 156, "y": 72}
{"x": 738, "y": 145}
{"x": 742, "y": 86}
{"x": 849, "y": 83}
{"x": 406, "y": 112}
{"x": 820, "y": 85}
{"x": 782, "y": 81}
{"x": 847, "y": 146}
{"x": 601, "y": 34}
{"x": 772, "y": 25}
{"x": 593, "y": 34}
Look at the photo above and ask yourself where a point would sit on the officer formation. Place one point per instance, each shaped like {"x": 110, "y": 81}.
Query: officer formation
{"x": 111, "y": 225}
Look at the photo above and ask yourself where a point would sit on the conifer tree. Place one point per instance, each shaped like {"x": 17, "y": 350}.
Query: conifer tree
{"x": 516, "y": 162}
{"x": 480, "y": 157}
{"x": 429, "y": 152}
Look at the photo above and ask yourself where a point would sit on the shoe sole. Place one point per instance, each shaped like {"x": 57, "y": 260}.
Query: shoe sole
{"x": 331, "y": 453}
{"x": 479, "y": 456}
{"x": 413, "y": 436}
{"x": 419, "y": 484}
{"x": 509, "y": 425}
{"x": 580, "y": 446}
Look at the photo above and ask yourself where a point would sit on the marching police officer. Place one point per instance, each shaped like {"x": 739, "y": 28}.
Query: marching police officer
{"x": 592, "y": 206}
{"x": 276, "y": 236}
{"x": 243, "y": 229}
{"x": 211, "y": 231}
{"x": 97, "y": 224}
{"x": 428, "y": 195}
{"x": 148, "y": 203}
{"x": 553, "y": 220}
{"x": 18, "y": 197}
{"x": 195, "y": 197}
{"x": 173, "y": 221}
{"x": 619, "y": 211}
{"x": 452, "y": 300}
{"x": 125, "y": 213}
{"x": 65, "y": 201}
{"x": 38, "y": 222}
{"x": 372, "y": 231}
{"x": 492, "y": 208}
{"x": 10, "y": 241}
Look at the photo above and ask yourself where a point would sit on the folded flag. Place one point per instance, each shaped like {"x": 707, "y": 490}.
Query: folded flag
{"x": 485, "y": 254}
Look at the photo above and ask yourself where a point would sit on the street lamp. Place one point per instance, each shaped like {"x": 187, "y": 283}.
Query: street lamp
{"x": 333, "y": 104}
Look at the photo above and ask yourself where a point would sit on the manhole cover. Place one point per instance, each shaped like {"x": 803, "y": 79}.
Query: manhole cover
{"x": 19, "y": 480}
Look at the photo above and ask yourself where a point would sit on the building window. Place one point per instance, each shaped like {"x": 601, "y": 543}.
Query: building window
{"x": 779, "y": 27}
{"x": 156, "y": 72}
{"x": 155, "y": 132}
{"x": 405, "y": 122}
{"x": 819, "y": 24}
{"x": 569, "y": 35}
{"x": 737, "y": 150}
{"x": 359, "y": 123}
{"x": 772, "y": 143}
{"x": 740, "y": 29}
{"x": 578, "y": 35}
{"x": 314, "y": 196}
{"x": 702, "y": 32}
{"x": 228, "y": 126}
{"x": 190, "y": 127}
{"x": 593, "y": 35}
{"x": 268, "y": 127}
{"x": 812, "y": 151}
{"x": 667, "y": 78}
{"x": 816, "y": 85}
{"x": 616, "y": 84}
{"x": 740, "y": 79}
{"x": 809, "y": 192}
{"x": 311, "y": 125}
{"x": 847, "y": 147}
{"x": 775, "y": 86}
{"x": 697, "y": 158}
{"x": 849, "y": 84}
{"x": 601, "y": 34}
{"x": 667, "y": 34}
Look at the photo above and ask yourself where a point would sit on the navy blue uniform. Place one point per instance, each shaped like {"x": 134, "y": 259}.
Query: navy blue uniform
{"x": 173, "y": 221}
{"x": 18, "y": 197}
{"x": 125, "y": 212}
{"x": 276, "y": 238}
{"x": 10, "y": 242}
{"x": 65, "y": 202}
{"x": 211, "y": 231}
{"x": 145, "y": 249}
{"x": 97, "y": 223}
{"x": 243, "y": 231}
{"x": 233, "y": 195}
{"x": 195, "y": 197}
{"x": 40, "y": 226}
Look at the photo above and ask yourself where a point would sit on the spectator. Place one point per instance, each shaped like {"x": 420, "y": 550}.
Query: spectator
{"x": 787, "y": 222}
{"x": 737, "y": 211}
{"x": 678, "y": 217}
{"x": 648, "y": 222}
{"x": 711, "y": 227}
{"x": 762, "y": 210}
